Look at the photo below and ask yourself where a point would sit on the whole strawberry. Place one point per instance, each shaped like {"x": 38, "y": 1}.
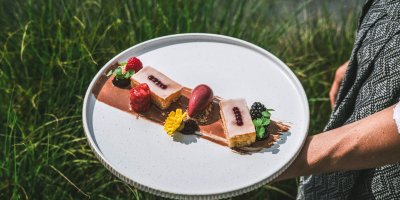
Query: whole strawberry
{"x": 140, "y": 98}
{"x": 133, "y": 64}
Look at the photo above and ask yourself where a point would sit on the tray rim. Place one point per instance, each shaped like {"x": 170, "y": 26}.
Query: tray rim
{"x": 191, "y": 37}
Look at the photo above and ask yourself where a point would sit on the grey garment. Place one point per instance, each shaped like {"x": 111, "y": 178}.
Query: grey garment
{"x": 371, "y": 84}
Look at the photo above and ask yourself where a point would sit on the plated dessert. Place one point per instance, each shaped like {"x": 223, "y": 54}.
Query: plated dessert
{"x": 150, "y": 94}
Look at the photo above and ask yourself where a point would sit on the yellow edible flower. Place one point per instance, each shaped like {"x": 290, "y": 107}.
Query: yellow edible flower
{"x": 174, "y": 121}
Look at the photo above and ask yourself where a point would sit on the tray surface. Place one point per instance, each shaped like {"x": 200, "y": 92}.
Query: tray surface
{"x": 143, "y": 155}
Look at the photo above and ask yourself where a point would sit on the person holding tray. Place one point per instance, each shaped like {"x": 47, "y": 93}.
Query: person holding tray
{"x": 358, "y": 154}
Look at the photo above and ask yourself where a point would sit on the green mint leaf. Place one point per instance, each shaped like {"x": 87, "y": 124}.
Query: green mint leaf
{"x": 122, "y": 63}
{"x": 132, "y": 72}
{"x": 266, "y": 114}
{"x": 258, "y": 122}
{"x": 118, "y": 71}
{"x": 266, "y": 121}
{"x": 109, "y": 73}
{"x": 127, "y": 75}
{"x": 261, "y": 132}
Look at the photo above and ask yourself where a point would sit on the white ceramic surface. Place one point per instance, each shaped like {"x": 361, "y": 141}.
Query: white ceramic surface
{"x": 142, "y": 154}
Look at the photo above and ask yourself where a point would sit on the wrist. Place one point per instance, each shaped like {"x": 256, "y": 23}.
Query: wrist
{"x": 343, "y": 148}
{"x": 325, "y": 152}
{"x": 319, "y": 155}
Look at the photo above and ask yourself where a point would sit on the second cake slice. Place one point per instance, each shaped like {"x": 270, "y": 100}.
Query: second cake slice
{"x": 238, "y": 127}
{"x": 163, "y": 90}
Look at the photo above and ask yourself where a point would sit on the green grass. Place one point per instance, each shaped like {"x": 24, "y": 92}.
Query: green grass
{"x": 50, "y": 51}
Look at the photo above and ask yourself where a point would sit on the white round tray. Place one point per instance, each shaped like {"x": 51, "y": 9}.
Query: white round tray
{"x": 143, "y": 155}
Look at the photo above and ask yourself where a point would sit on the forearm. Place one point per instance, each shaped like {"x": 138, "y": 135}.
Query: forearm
{"x": 367, "y": 143}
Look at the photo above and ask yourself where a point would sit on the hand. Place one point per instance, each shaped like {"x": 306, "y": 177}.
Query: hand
{"x": 339, "y": 75}
{"x": 346, "y": 148}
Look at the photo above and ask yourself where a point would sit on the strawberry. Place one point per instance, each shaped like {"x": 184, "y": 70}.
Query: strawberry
{"x": 140, "y": 98}
{"x": 133, "y": 64}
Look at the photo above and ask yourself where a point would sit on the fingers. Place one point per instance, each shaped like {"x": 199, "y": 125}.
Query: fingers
{"x": 333, "y": 92}
{"x": 341, "y": 71}
{"x": 339, "y": 75}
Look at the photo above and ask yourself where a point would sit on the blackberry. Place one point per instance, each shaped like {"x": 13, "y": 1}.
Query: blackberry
{"x": 256, "y": 110}
{"x": 189, "y": 127}
{"x": 121, "y": 83}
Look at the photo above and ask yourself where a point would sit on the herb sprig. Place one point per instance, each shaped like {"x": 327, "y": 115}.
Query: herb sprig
{"x": 118, "y": 72}
{"x": 261, "y": 124}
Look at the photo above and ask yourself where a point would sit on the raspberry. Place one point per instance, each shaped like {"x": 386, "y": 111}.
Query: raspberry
{"x": 140, "y": 98}
{"x": 134, "y": 63}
